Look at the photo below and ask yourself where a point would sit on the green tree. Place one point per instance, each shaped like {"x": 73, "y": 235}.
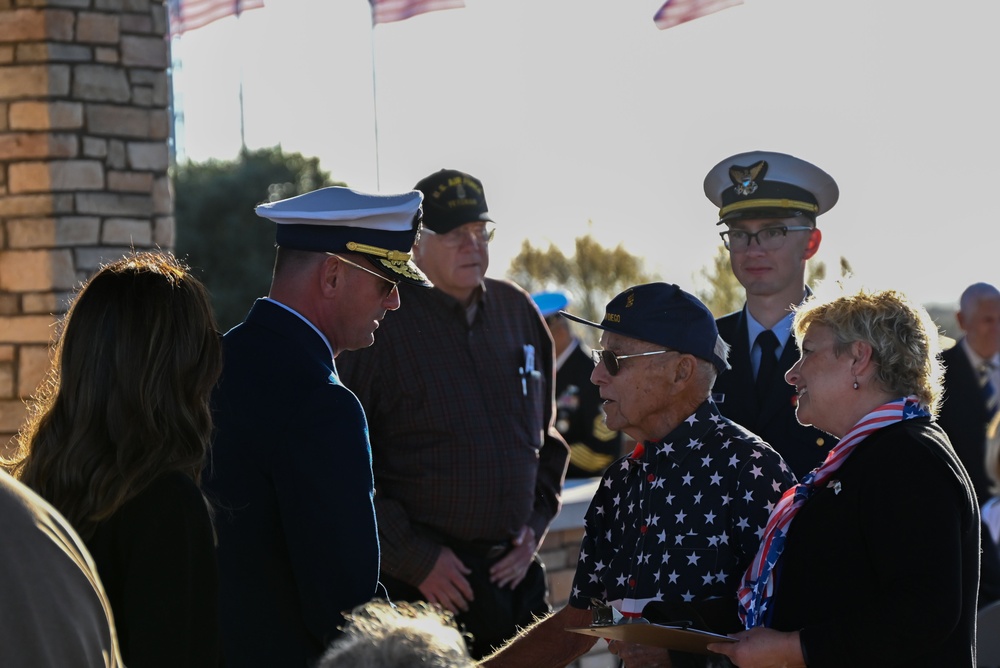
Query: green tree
{"x": 592, "y": 275}
{"x": 724, "y": 294}
{"x": 227, "y": 245}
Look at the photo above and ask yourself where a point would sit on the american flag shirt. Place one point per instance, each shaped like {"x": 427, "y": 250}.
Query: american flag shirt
{"x": 683, "y": 519}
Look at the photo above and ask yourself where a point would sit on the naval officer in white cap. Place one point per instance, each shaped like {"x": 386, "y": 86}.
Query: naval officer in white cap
{"x": 769, "y": 203}
{"x": 290, "y": 472}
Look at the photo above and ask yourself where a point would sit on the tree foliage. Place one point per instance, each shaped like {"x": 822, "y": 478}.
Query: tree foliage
{"x": 723, "y": 294}
{"x": 592, "y": 276}
{"x": 227, "y": 245}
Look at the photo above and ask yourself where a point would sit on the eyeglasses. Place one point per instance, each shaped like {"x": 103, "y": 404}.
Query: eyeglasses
{"x": 612, "y": 361}
{"x": 769, "y": 238}
{"x": 393, "y": 284}
{"x": 481, "y": 233}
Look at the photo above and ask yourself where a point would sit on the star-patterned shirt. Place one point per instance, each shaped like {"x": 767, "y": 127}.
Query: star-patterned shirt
{"x": 683, "y": 519}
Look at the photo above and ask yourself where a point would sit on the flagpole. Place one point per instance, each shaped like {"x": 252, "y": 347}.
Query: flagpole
{"x": 239, "y": 35}
{"x": 176, "y": 146}
{"x": 378, "y": 169}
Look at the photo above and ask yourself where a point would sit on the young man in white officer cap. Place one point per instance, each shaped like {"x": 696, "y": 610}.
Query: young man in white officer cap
{"x": 290, "y": 471}
{"x": 769, "y": 203}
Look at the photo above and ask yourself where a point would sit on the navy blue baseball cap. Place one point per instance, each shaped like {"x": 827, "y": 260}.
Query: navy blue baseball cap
{"x": 663, "y": 314}
{"x": 337, "y": 220}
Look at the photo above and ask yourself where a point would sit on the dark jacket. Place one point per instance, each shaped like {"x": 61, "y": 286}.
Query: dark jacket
{"x": 802, "y": 448}
{"x": 291, "y": 479}
{"x": 156, "y": 559}
{"x": 964, "y": 417}
{"x": 881, "y": 566}
{"x": 580, "y": 418}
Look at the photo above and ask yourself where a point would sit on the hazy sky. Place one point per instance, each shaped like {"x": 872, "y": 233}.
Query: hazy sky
{"x": 581, "y": 116}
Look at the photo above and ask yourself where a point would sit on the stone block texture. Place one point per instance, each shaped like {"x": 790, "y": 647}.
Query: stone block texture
{"x": 84, "y": 153}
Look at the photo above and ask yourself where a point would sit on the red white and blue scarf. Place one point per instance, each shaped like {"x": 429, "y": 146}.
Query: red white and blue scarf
{"x": 758, "y": 583}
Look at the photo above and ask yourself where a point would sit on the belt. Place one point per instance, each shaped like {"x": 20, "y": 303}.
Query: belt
{"x": 484, "y": 549}
{"x": 490, "y": 550}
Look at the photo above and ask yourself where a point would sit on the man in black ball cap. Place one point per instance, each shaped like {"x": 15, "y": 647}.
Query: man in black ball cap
{"x": 673, "y": 526}
{"x": 768, "y": 203}
{"x": 459, "y": 395}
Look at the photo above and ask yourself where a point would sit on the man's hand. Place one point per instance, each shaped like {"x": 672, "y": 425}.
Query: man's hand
{"x": 446, "y": 584}
{"x": 511, "y": 569}
{"x": 639, "y": 656}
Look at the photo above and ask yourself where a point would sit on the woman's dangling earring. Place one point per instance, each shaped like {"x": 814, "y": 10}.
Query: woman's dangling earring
{"x": 855, "y": 382}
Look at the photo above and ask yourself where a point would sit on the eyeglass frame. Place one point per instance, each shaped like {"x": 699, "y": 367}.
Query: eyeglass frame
{"x": 784, "y": 229}
{"x": 395, "y": 284}
{"x": 451, "y": 240}
{"x": 598, "y": 356}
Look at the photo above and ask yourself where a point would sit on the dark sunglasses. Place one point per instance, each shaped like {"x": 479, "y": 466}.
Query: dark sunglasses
{"x": 612, "y": 361}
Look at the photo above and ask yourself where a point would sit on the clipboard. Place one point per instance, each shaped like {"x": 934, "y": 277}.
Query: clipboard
{"x": 678, "y": 638}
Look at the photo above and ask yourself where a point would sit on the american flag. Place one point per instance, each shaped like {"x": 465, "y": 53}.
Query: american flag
{"x": 190, "y": 14}
{"x": 386, "y": 11}
{"x": 675, "y": 12}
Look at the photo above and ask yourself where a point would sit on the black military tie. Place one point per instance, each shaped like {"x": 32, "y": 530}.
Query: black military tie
{"x": 768, "y": 343}
{"x": 990, "y": 396}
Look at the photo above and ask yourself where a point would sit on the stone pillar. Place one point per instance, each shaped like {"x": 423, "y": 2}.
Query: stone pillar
{"x": 84, "y": 152}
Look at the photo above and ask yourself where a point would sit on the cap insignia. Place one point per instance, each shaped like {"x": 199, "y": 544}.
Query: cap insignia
{"x": 745, "y": 178}
{"x": 402, "y": 268}
{"x": 630, "y": 300}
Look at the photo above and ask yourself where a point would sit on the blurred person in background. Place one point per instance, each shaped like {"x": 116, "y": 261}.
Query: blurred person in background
{"x": 579, "y": 416}
{"x": 972, "y": 380}
{"x": 53, "y": 612}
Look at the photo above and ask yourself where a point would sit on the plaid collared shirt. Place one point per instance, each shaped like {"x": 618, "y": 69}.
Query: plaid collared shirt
{"x": 463, "y": 440}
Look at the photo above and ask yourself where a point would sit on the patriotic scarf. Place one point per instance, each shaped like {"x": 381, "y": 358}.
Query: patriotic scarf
{"x": 757, "y": 586}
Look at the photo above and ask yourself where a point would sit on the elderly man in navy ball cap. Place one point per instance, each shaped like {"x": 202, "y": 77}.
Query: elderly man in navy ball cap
{"x": 769, "y": 203}
{"x": 290, "y": 472}
{"x": 468, "y": 463}
{"x": 674, "y": 524}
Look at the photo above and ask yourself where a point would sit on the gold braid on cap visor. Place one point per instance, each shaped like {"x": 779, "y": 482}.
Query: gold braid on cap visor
{"x": 769, "y": 204}
{"x": 396, "y": 261}
{"x": 391, "y": 255}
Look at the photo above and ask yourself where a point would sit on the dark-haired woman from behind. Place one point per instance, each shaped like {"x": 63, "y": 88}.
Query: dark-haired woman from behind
{"x": 116, "y": 441}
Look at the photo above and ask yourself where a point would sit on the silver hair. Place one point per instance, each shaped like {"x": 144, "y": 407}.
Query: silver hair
{"x": 383, "y": 635}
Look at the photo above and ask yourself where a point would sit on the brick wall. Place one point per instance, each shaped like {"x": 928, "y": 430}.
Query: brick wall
{"x": 84, "y": 152}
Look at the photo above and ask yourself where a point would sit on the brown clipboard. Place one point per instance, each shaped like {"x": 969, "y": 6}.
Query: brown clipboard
{"x": 672, "y": 637}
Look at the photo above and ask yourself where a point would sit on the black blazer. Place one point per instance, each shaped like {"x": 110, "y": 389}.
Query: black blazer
{"x": 802, "y": 448}
{"x": 964, "y": 418}
{"x": 291, "y": 480}
{"x": 881, "y": 565}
